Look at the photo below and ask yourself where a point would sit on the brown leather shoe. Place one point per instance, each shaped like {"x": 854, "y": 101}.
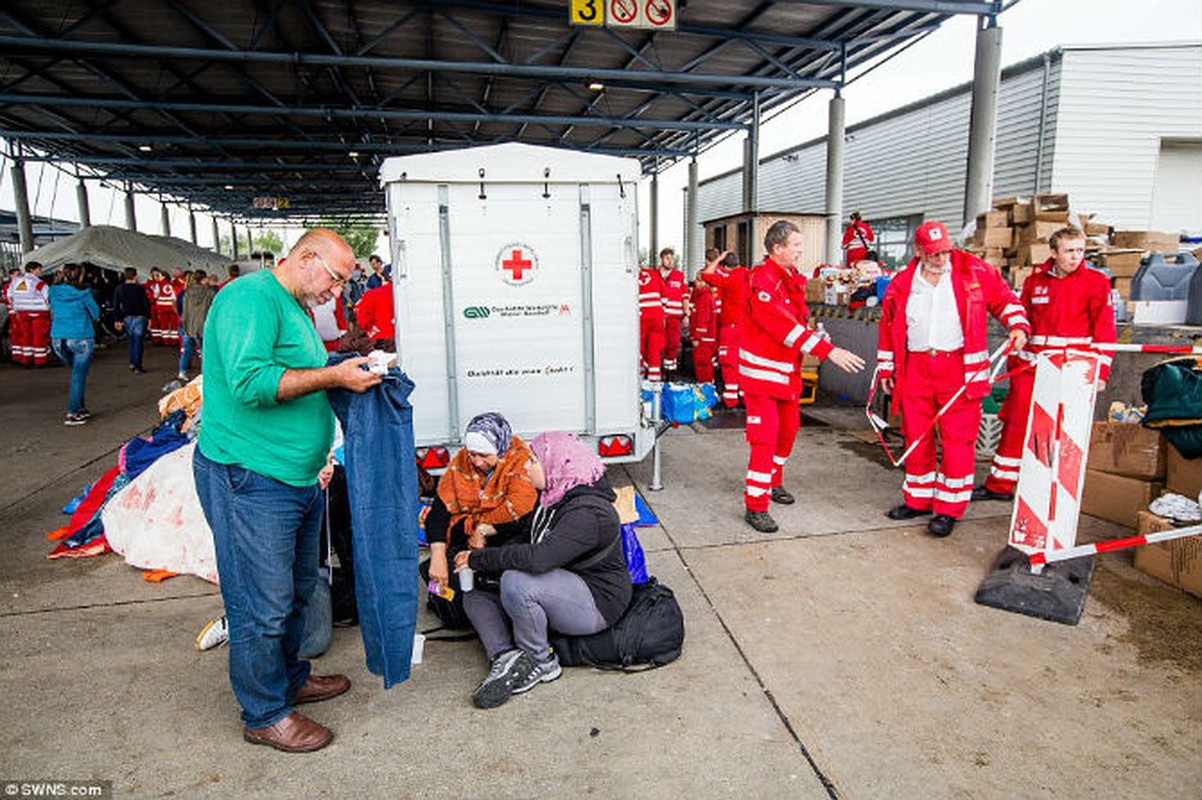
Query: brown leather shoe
{"x": 321, "y": 687}
{"x": 295, "y": 733}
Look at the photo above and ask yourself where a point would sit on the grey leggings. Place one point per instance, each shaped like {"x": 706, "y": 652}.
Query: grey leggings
{"x": 526, "y": 606}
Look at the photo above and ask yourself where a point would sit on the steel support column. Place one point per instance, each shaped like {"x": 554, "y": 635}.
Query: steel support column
{"x": 81, "y": 197}
{"x": 982, "y": 126}
{"x": 653, "y": 248}
{"x": 164, "y": 219}
{"x": 690, "y": 222}
{"x": 131, "y": 217}
{"x": 834, "y": 179}
{"x": 250, "y": 243}
{"x": 192, "y": 225}
{"x": 21, "y": 200}
{"x": 216, "y": 236}
{"x": 751, "y": 161}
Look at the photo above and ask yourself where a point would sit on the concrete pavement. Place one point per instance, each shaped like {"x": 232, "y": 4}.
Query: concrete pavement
{"x": 840, "y": 658}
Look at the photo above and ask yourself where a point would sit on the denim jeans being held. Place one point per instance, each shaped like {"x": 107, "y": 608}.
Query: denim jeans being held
{"x": 381, "y": 479}
{"x": 76, "y": 354}
{"x": 266, "y": 538}
{"x": 135, "y": 329}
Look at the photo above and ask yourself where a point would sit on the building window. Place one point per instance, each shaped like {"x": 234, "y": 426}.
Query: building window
{"x": 894, "y": 239}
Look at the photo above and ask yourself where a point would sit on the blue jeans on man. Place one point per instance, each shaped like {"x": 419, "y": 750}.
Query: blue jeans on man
{"x": 135, "y": 329}
{"x": 76, "y": 354}
{"x": 266, "y": 535}
{"x": 189, "y": 347}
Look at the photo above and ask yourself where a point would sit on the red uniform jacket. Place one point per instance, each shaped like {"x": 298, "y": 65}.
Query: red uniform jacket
{"x": 774, "y": 334}
{"x": 856, "y": 239}
{"x": 375, "y": 313}
{"x": 673, "y": 292}
{"x": 704, "y": 320}
{"x": 732, "y": 292}
{"x": 1071, "y": 310}
{"x": 980, "y": 290}
{"x": 651, "y": 297}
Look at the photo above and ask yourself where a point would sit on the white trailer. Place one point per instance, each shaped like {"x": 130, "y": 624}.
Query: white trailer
{"x": 515, "y": 278}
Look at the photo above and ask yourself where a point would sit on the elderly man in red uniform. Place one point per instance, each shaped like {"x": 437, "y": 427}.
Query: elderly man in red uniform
{"x": 651, "y": 323}
{"x": 932, "y": 341}
{"x": 723, "y": 271}
{"x": 774, "y": 337}
{"x": 674, "y": 293}
{"x": 1069, "y": 305}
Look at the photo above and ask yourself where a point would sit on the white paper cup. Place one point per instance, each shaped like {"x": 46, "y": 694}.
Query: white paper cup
{"x": 467, "y": 579}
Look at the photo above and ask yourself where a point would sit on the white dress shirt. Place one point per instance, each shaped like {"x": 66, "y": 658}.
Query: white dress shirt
{"x": 932, "y": 317}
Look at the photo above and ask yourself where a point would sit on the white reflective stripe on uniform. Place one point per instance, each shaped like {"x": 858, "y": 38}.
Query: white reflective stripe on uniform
{"x": 884, "y": 355}
{"x": 780, "y": 460}
{"x": 915, "y": 492}
{"x": 953, "y": 497}
{"x": 1006, "y": 461}
{"x": 794, "y": 335}
{"x": 759, "y": 374}
{"x": 760, "y": 361}
{"x": 808, "y": 346}
{"x": 1013, "y": 308}
{"x": 1060, "y": 341}
{"x": 927, "y": 478}
{"x": 757, "y": 491}
{"x": 954, "y": 483}
{"x": 1004, "y": 474}
{"x": 885, "y": 365}
{"x": 974, "y": 358}
{"x": 759, "y": 477}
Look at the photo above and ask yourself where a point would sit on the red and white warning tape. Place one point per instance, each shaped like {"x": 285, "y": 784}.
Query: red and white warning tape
{"x": 1149, "y": 348}
{"x": 1040, "y": 559}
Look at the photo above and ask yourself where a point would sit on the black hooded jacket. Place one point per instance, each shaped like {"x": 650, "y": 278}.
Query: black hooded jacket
{"x": 582, "y": 525}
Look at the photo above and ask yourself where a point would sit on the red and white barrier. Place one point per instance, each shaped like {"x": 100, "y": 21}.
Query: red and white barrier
{"x": 1038, "y": 560}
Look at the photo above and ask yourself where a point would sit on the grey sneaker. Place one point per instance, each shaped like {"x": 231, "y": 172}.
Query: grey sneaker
{"x": 544, "y": 672}
{"x": 74, "y": 419}
{"x": 511, "y": 668}
{"x": 762, "y": 521}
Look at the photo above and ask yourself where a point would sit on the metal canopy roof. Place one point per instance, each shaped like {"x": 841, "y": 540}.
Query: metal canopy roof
{"x": 219, "y": 102}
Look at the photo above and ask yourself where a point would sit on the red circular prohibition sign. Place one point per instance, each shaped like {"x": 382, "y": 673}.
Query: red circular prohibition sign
{"x": 659, "y": 12}
{"x": 624, "y": 11}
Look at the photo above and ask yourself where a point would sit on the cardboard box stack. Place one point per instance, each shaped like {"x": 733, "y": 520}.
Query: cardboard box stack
{"x": 1178, "y": 561}
{"x": 1124, "y": 472}
{"x": 1014, "y": 238}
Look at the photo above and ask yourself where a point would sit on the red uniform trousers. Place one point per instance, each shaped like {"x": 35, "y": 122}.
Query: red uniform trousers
{"x": 671, "y": 341}
{"x": 930, "y": 381}
{"x": 1003, "y": 474}
{"x": 29, "y": 333}
{"x": 651, "y": 348}
{"x": 728, "y": 363}
{"x": 703, "y": 360}
{"x": 164, "y": 325}
{"x": 772, "y": 426}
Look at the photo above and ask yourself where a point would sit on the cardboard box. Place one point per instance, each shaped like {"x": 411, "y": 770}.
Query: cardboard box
{"x": 993, "y": 219}
{"x": 1058, "y": 218}
{"x": 815, "y": 292}
{"x": 1121, "y": 263}
{"x": 1127, "y": 448}
{"x": 1036, "y": 232}
{"x": 1021, "y": 214}
{"x": 1155, "y": 241}
{"x": 1018, "y": 275}
{"x": 1177, "y": 562}
{"x": 1182, "y": 475}
{"x": 1124, "y": 287}
{"x": 1097, "y": 229}
{"x": 995, "y": 237}
{"x": 1116, "y": 498}
{"x": 1044, "y": 203}
{"x": 1005, "y": 203}
{"x": 1034, "y": 253}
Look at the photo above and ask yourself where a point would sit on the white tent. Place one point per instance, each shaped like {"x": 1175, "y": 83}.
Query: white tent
{"x": 118, "y": 248}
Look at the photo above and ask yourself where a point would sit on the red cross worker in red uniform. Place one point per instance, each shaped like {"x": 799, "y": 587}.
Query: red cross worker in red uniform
{"x": 932, "y": 341}
{"x": 674, "y": 293}
{"x": 651, "y": 323}
{"x": 723, "y": 271}
{"x": 857, "y": 240}
{"x": 28, "y": 299}
{"x": 773, "y": 339}
{"x": 703, "y": 330}
{"x": 1068, "y": 305}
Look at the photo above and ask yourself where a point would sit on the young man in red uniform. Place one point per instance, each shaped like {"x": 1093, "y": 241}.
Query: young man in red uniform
{"x": 28, "y": 299}
{"x": 857, "y": 240}
{"x": 703, "y": 330}
{"x": 673, "y": 292}
{"x": 933, "y": 340}
{"x": 1068, "y": 304}
{"x": 773, "y": 339}
{"x": 651, "y": 323}
{"x": 723, "y": 271}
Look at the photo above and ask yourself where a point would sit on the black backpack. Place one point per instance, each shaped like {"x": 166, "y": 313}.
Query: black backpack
{"x": 649, "y": 634}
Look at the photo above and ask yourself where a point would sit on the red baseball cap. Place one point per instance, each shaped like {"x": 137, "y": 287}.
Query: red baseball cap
{"x": 932, "y": 237}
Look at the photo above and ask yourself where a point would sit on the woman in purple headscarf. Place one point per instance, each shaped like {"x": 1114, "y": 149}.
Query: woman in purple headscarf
{"x": 571, "y": 577}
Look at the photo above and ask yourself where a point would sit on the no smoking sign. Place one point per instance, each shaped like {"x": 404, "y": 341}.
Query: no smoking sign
{"x": 654, "y": 14}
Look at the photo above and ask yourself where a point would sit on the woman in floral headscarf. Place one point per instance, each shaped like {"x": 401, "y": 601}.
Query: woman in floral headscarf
{"x": 484, "y": 496}
{"x": 571, "y": 576}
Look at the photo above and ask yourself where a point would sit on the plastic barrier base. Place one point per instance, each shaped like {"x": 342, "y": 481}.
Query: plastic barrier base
{"x": 1057, "y": 594}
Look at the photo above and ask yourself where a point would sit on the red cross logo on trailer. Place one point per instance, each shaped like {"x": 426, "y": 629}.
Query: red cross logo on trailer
{"x": 517, "y": 263}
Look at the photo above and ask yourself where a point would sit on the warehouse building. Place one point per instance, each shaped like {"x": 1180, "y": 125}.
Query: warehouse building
{"x": 1118, "y": 128}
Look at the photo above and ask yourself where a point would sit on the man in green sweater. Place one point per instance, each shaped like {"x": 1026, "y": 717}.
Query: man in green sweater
{"x": 265, "y": 435}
